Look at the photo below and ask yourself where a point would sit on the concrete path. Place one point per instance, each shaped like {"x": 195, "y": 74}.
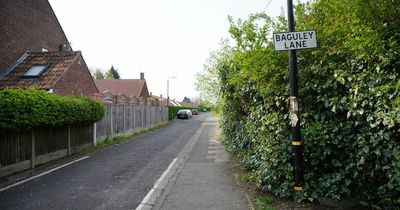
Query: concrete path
{"x": 203, "y": 179}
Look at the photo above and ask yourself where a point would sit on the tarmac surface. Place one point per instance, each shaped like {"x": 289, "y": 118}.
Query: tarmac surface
{"x": 200, "y": 178}
{"x": 179, "y": 166}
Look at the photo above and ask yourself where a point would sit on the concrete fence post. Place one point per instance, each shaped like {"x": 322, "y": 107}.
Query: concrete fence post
{"x": 142, "y": 115}
{"x": 112, "y": 121}
{"x": 94, "y": 134}
{"x": 33, "y": 150}
{"x": 146, "y": 116}
{"x": 149, "y": 115}
{"x": 124, "y": 118}
{"x": 134, "y": 117}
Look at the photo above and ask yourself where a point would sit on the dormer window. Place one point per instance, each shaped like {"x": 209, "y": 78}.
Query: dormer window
{"x": 35, "y": 71}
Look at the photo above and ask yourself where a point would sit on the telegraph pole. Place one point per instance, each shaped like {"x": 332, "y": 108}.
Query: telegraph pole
{"x": 297, "y": 142}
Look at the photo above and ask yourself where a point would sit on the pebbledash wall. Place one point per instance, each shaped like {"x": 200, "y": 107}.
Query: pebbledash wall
{"x": 26, "y": 150}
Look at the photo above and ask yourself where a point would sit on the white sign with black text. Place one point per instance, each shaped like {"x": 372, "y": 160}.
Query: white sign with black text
{"x": 295, "y": 40}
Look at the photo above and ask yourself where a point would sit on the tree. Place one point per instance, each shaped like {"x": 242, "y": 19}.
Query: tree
{"x": 207, "y": 82}
{"x": 97, "y": 73}
{"x": 186, "y": 99}
{"x": 112, "y": 73}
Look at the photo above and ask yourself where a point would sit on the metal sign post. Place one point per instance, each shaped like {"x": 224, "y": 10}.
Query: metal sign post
{"x": 292, "y": 41}
{"x": 297, "y": 142}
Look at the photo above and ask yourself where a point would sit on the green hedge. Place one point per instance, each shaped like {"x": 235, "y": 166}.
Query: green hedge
{"x": 349, "y": 101}
{"x": 173, "y": 110}
{"x": 22, "y": 110}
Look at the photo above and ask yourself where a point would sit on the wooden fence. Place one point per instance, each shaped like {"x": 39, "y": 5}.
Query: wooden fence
{"x": 121, "y": 119}
{"x": 25, "y": 150}
{"x": 21, "y": 151}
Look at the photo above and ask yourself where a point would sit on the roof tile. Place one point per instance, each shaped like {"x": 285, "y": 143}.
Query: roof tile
{"x": 128, "y": 87}
{"x": 58, "y": 63}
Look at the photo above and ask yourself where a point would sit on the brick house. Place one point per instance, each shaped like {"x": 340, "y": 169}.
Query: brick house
{"x": 35, "y": 52}
{"x": 134, "y": 90}
{"x": 190, "y": 104}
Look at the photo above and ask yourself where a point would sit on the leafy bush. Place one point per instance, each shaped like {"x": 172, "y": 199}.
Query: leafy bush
{"x": 22, "y": 110}
{"x": 349, "y": 102}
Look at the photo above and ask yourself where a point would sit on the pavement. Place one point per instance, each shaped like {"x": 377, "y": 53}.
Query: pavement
{"x": 199, "y": 178}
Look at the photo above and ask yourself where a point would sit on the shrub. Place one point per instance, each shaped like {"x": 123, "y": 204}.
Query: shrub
{"x": 349, "y": 102}
{"x": 22, "y": 110}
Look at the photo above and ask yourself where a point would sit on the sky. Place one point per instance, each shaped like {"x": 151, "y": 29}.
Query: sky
{"x": 162, "y": 38}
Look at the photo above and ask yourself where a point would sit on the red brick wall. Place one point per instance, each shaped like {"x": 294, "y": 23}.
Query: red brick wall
{"x": 76, "y": 81}
{"x": 27, "y": 25}
{"x": 145, "y": 92}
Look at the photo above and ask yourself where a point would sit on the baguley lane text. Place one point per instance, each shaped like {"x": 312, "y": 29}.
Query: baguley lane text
{"x": 295, "y": 40}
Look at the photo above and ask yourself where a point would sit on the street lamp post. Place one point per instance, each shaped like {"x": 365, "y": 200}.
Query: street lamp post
{"x": 168, "y": 88}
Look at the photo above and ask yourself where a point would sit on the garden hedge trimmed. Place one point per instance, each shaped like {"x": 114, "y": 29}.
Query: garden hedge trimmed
{"x": 23, "y": 110}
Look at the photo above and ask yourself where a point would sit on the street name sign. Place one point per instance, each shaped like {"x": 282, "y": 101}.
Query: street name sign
{"x": 295, "y": 40}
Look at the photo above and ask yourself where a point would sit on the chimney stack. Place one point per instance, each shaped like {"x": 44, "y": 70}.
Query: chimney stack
{"x": 142, "y": 75}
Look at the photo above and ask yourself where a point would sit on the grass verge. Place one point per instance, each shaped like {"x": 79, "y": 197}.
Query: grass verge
{"x": 259, "y": 200}
{"x": 246, "y": 180}
{"x": 120, "y": 138}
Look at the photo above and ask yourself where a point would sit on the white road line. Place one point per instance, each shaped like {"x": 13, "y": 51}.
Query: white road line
{"x": 147, "y": 197}
{"x": 42, "y": 174}
{"x": 165, "y": 173}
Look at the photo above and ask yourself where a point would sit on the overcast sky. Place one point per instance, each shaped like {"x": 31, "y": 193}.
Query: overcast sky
{"x": 162, "y": 38}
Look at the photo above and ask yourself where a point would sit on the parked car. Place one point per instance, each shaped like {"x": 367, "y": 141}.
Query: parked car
{"x": 184, "y": 114}
{"x": 195, "y": 112}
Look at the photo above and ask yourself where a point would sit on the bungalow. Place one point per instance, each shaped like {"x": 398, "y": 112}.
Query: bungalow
{"x": 129, "y": 90}
{"x": 190, "y": 104}
{"x": 35, "y": 52}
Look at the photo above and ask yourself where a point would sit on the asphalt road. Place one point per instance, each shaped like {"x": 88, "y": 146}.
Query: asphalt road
{"x": 116, "y": 177}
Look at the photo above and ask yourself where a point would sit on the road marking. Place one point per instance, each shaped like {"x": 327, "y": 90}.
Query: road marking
{"x": 42, "y": 174}
{"x": 147, "y": 197}
{"x": 165, "y": 173}
{"x": 177, "y": 165}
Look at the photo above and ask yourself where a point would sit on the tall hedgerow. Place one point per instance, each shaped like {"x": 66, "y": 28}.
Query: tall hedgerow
{"x": 349, "y": 102}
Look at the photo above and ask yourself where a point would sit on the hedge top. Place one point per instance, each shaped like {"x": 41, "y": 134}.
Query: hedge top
{"x": 23, "y": 110}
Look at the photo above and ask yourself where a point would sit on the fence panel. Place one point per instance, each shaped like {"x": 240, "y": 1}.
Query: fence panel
{"x": 50, "y": 139}
{"x": 124, "y": 118}
{"x": 128, "y": 118}
{"x": 103, "y": 127}
{"x": 81, "y": 135}
{"x": 15, "y": 148}
{"x": 139, "y": 116}
{"x": 50, "y": 143}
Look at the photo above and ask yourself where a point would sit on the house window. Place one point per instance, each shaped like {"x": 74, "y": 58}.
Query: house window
{"x": 35, "y": 71}
{"x": 122, "y": 99}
